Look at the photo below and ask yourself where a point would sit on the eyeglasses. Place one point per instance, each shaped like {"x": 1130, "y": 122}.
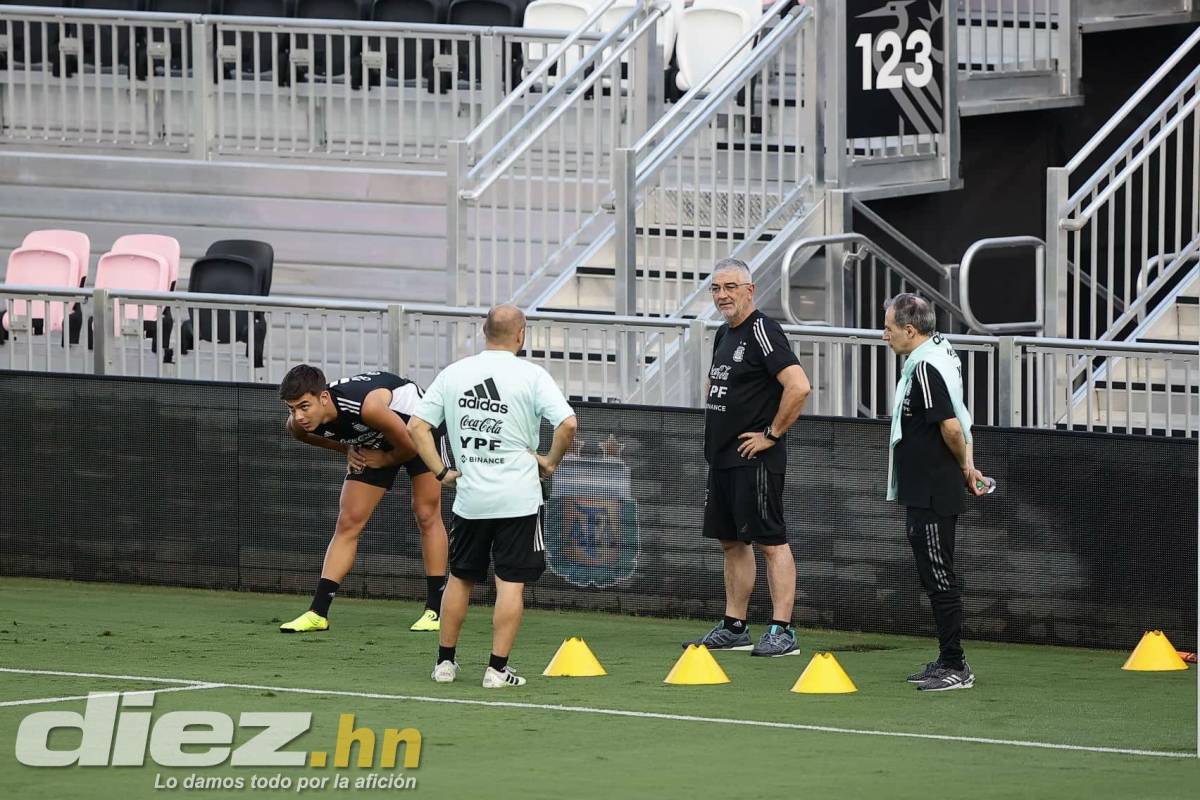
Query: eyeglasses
{"x": 717, "y": 288}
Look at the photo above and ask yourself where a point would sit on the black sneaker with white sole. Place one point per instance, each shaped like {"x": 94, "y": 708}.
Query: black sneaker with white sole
{"x": 945, "y": 679}
{"x": 926, "y": 672}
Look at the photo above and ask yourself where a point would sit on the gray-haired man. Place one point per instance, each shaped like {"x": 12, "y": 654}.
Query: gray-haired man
{"x": 931, "y": 459}
{"x": 756, "y": 391}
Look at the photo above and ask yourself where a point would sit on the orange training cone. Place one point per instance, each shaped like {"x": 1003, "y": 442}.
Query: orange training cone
{"x": 1154, "y": 653}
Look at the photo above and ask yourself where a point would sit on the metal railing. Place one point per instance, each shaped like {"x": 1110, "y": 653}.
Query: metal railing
{"x": 1118, "y": 387}
{"x": 875, "y": 275}
{"x": 1012, "y": 49}
{"x": 1142, "y": 201}
{"x": 317, "y": 89}
{"x": 522, "y": 210}
{"x": 97, "y": 79}
{"x": 1039, "y": 267}
{"x": 736, "y": 168}
{"x": 1007, "y": 380}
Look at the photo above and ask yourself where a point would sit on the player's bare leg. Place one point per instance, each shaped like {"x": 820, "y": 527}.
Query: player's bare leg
{"x": 454, "y": 611}
{"x": 358, "y": 502}
{"x": 427, "y": 510}
{"x": 781, "y": 578}
{"x": 739, "y": 577}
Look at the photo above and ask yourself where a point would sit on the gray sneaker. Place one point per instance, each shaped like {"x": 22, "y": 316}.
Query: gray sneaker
{"x": 721, "y": 638}
{"x": 926, "y": 672}
{"x": 777, "y": 642}
{"x": 944, "y": 679}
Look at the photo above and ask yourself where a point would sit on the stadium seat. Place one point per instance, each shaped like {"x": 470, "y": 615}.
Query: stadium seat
{"x": 707, "y": 31}
{"x": 73, "y": 242}
{"x": 260, "y": 254}
{"x": 555, "y": 15}
{"x": 80, "y": 247}
{"x": 174, "y": 38}
{"x": 488, "y": 13}
{"x": 97, "y": 40}
{"x": 227, "y": 274}
{"x": 668, "y": 24}
{"x": 329, "y": 53}
{"x": 432, "y": 12}
{"x": 256, "y": 8}
{"x": 38, "y": 266}
{"x": 17, "y": 48}
{"x": 134, "y": 270}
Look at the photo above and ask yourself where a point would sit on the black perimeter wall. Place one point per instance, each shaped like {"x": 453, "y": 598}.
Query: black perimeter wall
{"x": 1090, "y": 540}
{"x": 1004, "y": 163}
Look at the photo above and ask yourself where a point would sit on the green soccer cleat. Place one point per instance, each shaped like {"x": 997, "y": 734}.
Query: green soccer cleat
{"x": 308, "y": 622}
{"x": 428, "y": 621}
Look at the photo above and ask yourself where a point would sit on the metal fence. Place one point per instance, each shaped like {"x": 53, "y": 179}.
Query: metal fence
{"x": 97, "y": 79}
{"x": 1140, "y": 204}
{"x": 275, "y": 87}
{"x": 1130, "y": 388}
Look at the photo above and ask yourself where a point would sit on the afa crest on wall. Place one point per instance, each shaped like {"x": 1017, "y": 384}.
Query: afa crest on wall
{"x": 592, "y": 537}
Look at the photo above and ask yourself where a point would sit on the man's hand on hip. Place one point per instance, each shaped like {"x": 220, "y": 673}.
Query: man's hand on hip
{"x": 753, "y": 443}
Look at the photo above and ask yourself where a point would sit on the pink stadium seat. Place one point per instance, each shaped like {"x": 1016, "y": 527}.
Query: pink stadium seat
{"x": 72, "y": 242}
{"x": 152, "y": 243}
{"x": 28, "y": 266}
{"x": 132, "y": 271}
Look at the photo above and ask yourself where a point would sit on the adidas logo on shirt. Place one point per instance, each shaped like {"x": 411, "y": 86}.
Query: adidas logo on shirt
{"x": 485, "y": 397}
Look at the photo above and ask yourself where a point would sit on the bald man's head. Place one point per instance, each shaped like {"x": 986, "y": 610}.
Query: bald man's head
{"x": 504, "y": 326}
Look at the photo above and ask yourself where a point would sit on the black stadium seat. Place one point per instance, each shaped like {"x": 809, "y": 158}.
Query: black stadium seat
{"x": 230, "y": 274}
{"x": 98, "y": 40}
{"x": 176, "y": 65}
{"x": 430, "y": 12}
{"x": 488, "y": 13}
{"x": 333, "y": 63}
{"x": 260, "y": 254}
{"x": 256, "y": 8}
{"x": 16, "y": 44}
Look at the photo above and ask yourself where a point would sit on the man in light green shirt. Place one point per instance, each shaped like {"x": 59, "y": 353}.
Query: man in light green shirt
{"x": 493, "y": 404}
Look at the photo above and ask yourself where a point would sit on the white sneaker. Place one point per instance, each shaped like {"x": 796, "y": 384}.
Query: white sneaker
{"x": 445, "y": 671}
{"x": 501, "y": 678}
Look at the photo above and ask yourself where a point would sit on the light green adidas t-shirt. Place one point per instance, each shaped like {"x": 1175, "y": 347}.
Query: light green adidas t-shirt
{"x": 493, "y": 404}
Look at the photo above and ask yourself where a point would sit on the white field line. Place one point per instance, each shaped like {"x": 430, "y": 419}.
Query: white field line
{"x": 39, "y": 700}
{"x": 615, "y": 712}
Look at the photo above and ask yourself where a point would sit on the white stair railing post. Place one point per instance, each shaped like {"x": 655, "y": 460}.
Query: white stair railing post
{"x": 202, "y": 91}
{"x": 456, "y": 241}
{"x": 1055, "y": 300}
{"x": 397, "y": 339}
{"x": 646, "y": 84}
{"x": 101, "y": 327}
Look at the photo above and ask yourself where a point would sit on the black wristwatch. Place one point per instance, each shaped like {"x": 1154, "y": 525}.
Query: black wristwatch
{"x": 770, "y": 434}
{"x": 442, "y": 474}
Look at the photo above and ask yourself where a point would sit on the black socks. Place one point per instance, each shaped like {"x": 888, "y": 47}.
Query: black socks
{"x": 326, "y": 589}
{"x": 445, "y": 654}
{"x": 735, "y": 625}
{"x": 498, "y": 663}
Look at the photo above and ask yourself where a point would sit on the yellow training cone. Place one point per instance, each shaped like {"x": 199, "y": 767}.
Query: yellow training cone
{"x": 824, "y": 675}
{"x": 574, "y": 659}
{"x": 696, "y": 666}
{"x": 1154, "y": 653}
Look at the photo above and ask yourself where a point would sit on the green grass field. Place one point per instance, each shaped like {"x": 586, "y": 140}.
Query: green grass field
{"x": 546, "y": 740}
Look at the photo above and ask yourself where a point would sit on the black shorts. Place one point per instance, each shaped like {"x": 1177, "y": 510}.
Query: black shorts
{"x": 384, "y": 477}
{"x": 745, "y": 504}
{"x": 513, "y": 544}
